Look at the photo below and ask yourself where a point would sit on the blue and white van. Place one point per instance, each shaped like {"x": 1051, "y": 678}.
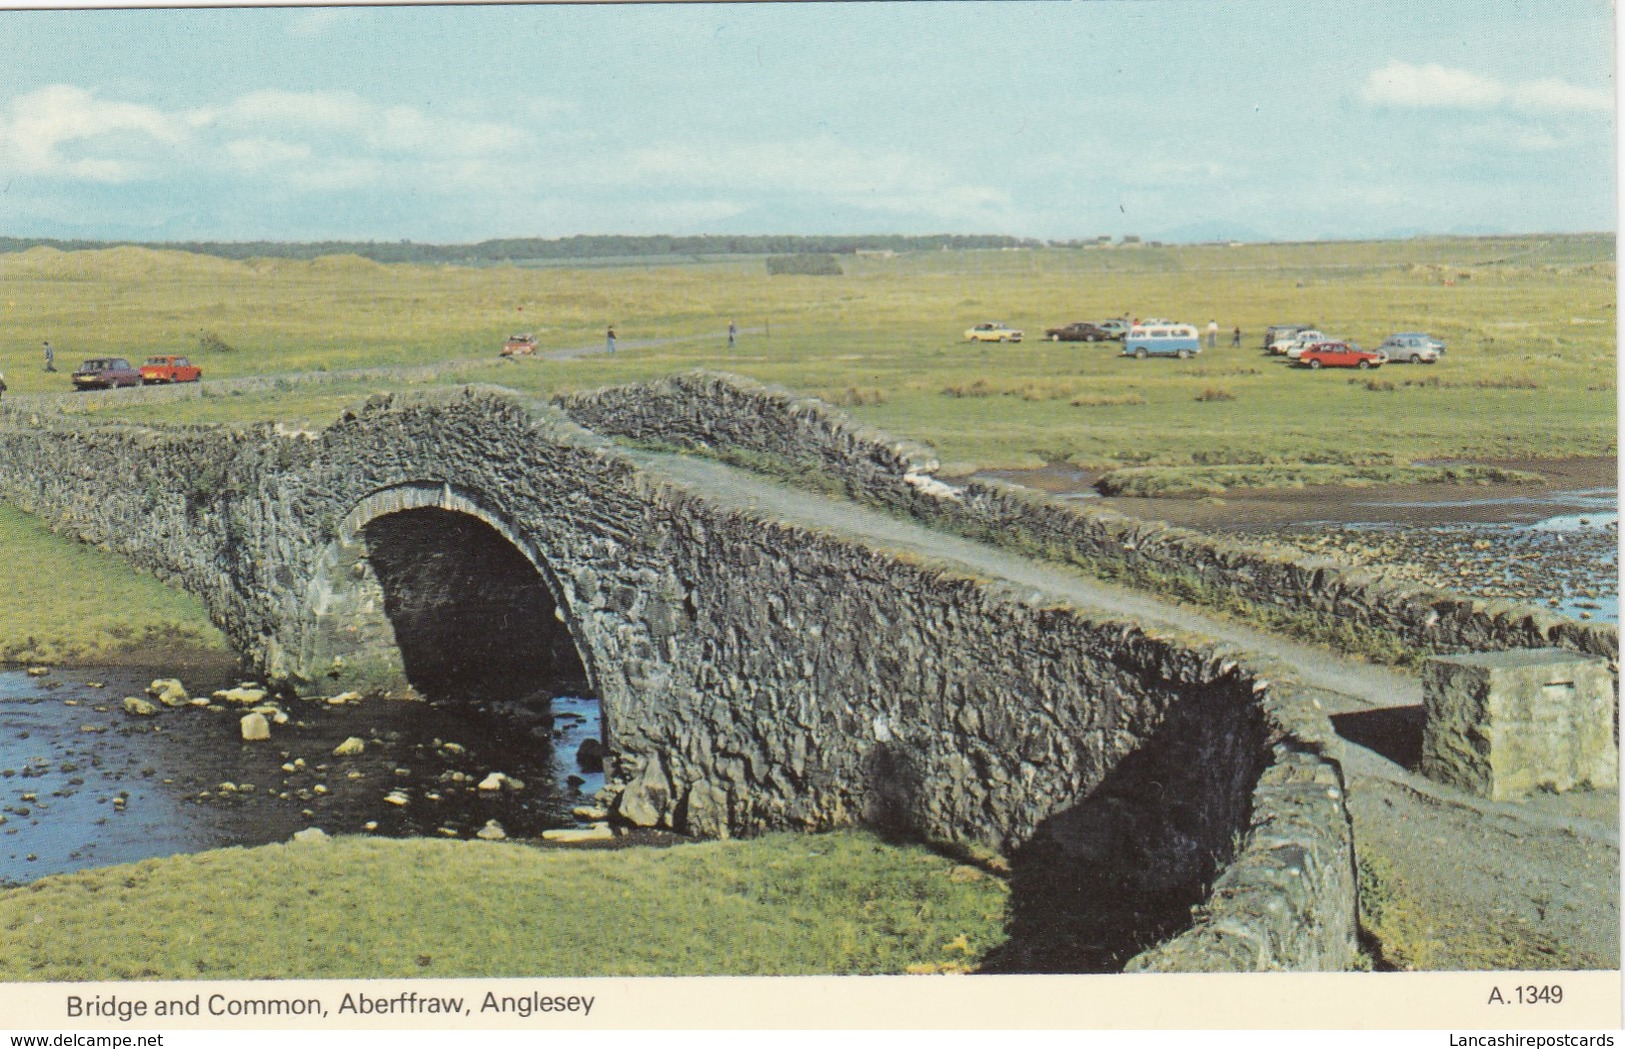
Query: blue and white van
{"x": 1162, "y": 340}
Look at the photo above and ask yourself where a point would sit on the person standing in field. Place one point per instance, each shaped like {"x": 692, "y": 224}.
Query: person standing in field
{"x": 1235, "y": 336}
{"x": 50, "y": 357}
{"x": 733, "y": 334}
{"x": 1212, "y": 333}
{"x": 2, "y": 386}
{"x": 609, "y": 339}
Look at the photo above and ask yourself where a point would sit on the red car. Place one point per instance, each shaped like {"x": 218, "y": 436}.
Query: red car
{"x": 169, "y": 369}
{"x": 519, "y": 345}
{"x": 1341, "y": 355}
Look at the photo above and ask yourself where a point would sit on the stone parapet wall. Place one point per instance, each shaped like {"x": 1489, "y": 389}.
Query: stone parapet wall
{"x": 1317, "y": 593}
{"x": 1286, "y": 901}
{"x": 728, "y": 415}
{"x": 756, "y": 675}
{"x": 151, "y": 496}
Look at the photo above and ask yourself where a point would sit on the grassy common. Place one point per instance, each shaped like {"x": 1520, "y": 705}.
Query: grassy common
{"x": 372, "y": 908}
{"x": 1529, "y": 322}
{"x": 63, "y": 602}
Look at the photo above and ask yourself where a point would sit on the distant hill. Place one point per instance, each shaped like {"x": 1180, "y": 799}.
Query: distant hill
{"x": 536, "y": 249}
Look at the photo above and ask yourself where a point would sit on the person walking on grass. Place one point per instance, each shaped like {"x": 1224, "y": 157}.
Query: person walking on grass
{"x": 733, "y": 334}
{"x": 1235, "y": 337}
{"x": 609, "y": 339}
{"x": 50, "y": 357}
{"x": 1212, "y": 333}
{"x": 2, "y": 386}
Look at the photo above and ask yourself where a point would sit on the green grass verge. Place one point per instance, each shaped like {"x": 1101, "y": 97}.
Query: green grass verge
{"x": 358, "y": 908}
{"x": 66, "y": 602}
{"x": 1177, "y": 481}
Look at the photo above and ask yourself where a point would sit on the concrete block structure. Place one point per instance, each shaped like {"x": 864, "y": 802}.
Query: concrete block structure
{"x": 1504, "y": 724}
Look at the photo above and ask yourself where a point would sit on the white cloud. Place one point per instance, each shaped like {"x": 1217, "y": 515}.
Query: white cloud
{"x": 257, "y": 154}
{"x": 1400, "y": 85}
{"x": 314, "y": 140}
{"x": 317, "y": 144}
{"x": 1560, "y": 96}
{"x": 316, "y": 110}
{"x": 317, "y": 21}
{"x": 42, "y": 124}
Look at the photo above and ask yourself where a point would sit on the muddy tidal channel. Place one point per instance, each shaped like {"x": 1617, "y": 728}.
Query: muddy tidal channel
{"x": 83, "y": 783}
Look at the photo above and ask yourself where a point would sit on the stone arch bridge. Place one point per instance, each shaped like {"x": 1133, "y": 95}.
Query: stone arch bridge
{"x": 753, "y": 673}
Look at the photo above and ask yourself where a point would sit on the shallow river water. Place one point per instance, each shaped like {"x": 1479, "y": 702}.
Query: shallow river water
{"x": 1560, "y": 551}
{"x": 84, "y": 784}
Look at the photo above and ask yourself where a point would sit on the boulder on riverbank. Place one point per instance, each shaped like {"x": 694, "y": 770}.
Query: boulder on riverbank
{"x": 169, "y": 691}
{"x": 244, "y": 694}
{"x": 255, "y": 728}
{"x": 138, "y": 707}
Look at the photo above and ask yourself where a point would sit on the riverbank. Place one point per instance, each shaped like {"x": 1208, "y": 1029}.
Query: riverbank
{"x": 1257, "y": 509}
{"x": 64, "y": 602}
{"x": 363, "y": 908}
{"x": 1554, "y": 543}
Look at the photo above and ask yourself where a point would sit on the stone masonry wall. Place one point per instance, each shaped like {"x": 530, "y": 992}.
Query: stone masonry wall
{"x": 755, "y": 675}
{"x": 802, "y": 432}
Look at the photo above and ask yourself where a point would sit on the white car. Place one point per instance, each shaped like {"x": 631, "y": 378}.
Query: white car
{"x": 992, "y": 332}
{"x": 1293, "y": 348}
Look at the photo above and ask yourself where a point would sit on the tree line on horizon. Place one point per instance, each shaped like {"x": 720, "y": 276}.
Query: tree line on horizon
{"x": 527, "y": 249}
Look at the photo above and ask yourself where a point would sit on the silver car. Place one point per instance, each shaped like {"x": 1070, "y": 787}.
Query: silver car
{"x": 1412, "y": 347}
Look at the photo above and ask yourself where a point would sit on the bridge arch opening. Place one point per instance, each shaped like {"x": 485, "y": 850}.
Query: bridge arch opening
{"x": 448, "y": 594}
{"x": 473, "y": 614}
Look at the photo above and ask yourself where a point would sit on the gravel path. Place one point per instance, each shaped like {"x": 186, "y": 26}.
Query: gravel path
{"x": 1466, "y": 883}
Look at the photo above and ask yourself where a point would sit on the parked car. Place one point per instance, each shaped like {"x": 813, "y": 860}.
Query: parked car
{"x": 1162, "y": 340}
{"x": 1078, "y": 331}
{"x": 169, "y": 368}
{"x": 105, "y": 373}
{"x": 1293, "y": 345}
{"x": 1340, "y": 355}
{"x": 522, "y": 345}
{"x": 1281, "y": 332}
{"x": 1115, "y": 327}
{"x": 992, "y": 332}
{"x": 1413, "y": 346}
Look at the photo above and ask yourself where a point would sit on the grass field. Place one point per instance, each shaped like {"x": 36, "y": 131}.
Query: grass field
{"x": 66, "y": 602}
{"x": 368, "y": 908}
{"x": 1529, "y": 321}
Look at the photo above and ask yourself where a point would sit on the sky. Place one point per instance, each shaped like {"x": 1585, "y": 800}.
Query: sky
{"x": 1176, "y": 120}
